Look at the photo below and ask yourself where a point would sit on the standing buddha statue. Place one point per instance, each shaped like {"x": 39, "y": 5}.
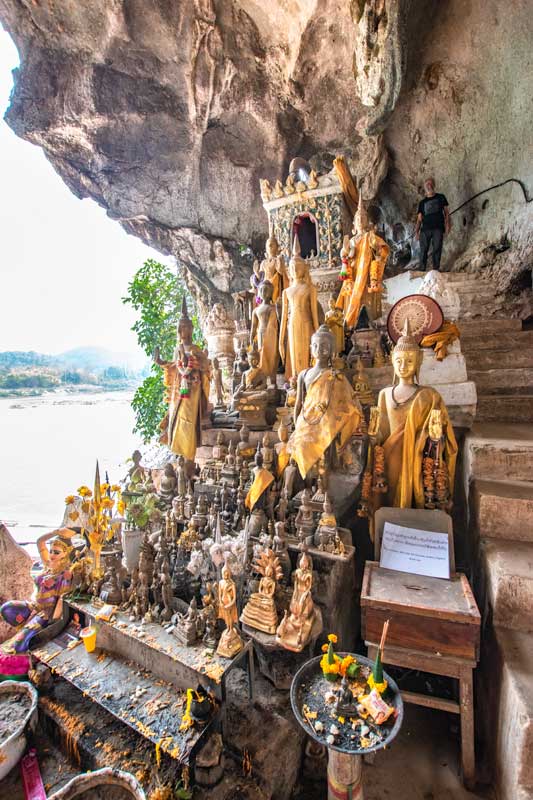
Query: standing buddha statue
{"x": 264, "y": 331}
{"x": 299, "y": 316}
{"x": 335, "y": 321}
{"x": 187, "y": 383}
{"x": 230, "y": 642}
{"x": 274, "y": 268}
{"x": 366, "y": 260}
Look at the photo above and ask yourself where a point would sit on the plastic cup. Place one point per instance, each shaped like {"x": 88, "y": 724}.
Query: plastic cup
{"x": 88, "y": 636}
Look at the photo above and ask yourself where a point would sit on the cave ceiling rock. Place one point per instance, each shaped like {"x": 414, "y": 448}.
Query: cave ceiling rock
{"x": 167, "y": 114}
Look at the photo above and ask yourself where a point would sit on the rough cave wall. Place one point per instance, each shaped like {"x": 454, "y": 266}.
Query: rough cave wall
{"x": 464, "y": 116}
{"x": 167, "y": 113}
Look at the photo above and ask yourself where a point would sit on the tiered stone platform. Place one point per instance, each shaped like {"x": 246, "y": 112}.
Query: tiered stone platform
{"x": 499, "y": 465}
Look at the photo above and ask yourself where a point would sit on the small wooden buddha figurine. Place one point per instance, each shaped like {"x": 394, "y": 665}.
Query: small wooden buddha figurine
{"x": 327, "y": 531}
{"x": 136, "y": 473}
{"x": 240, "y": 365}
{"x": 268, "y": 453}
{"x": 335, "y": 321}
{"x": 217, "y": 383}
{"x": 250, "y": 399}
{"x": 230, "y": 642}
{"x": 260, "y": 610}
{"x": 274, "y": 268}
{"x": 186, "y": 628}
{"x": 361, "y": 386}
{"x": 296, "y": 627}
{"x": 305, "y": 520}
{"x": 244, "y": 448}
{"x": 181, "y": 478}
{"x": 220, "y": 449}
{"x": 264, "y": 331}
{"x": 405, "y": 412}
{"x": 168, "y": 484}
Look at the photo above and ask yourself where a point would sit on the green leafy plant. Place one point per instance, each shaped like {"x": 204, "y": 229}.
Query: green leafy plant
{"x": 156, "y": 292}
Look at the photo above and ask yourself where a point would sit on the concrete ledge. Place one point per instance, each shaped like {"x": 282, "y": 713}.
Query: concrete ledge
{"x": 503, "y": 509}
{"x": 508, "y": 567}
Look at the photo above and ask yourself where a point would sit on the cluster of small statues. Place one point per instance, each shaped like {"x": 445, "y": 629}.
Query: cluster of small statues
{"x": 230, "y": 537}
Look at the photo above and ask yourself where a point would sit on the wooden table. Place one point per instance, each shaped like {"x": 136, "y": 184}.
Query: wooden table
{"x": 434, "y": 627}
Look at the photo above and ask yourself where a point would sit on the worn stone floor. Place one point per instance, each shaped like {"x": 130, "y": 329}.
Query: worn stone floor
{"x": 421, "y": 765}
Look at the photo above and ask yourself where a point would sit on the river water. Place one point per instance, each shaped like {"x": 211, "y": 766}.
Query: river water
{"x": 48, "y": 448}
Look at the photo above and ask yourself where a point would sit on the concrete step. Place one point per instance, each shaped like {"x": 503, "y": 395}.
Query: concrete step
{"x": 508, "y": 569}
{"x": 473, "y": 327}
{"x": 502, "y": 341}
{"x": 500, "y": 452}
{"x": 514, "y": 726}
{"x": 503, "y": 381}
{"x": 503, "y": 510}
{"x": 489, "y": 359}
{"x": 504, "y": 408}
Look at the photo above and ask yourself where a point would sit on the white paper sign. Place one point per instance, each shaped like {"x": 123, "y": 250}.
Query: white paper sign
{"x": 412, "y": 550}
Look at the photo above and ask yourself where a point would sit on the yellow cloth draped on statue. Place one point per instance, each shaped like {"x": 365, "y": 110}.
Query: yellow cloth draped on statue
{"x": 404, "y": 449}
{"x": 262, "y": 480}
{"x": 330, "y": 409}
{"x": 349, "y": 189}
{"x": 368, "y": 262}
{"x": 182, "y": 434}
{"x": 283, "y": 459}
{"x": 441, "y": 340}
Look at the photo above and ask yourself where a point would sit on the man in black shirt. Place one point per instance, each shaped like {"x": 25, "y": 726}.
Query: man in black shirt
{"x": 432, "y": 222}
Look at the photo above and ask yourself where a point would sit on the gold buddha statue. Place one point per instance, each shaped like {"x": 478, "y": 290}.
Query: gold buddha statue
{"x": 299, "y": 315}
{"x": 406, "y": 411}
{"x": 264, "y": 331}
{"x": 361, "y": 385}
{"x": 274, "y": 268}
{"x": 334, "y": 319}
{"x": 326, "y": 409}
{"x": 294, "y": 630}
{"x": 365, "y": 264}
{"x": 230, "y": 642}
{"x": 260, "y": 610}
{"x": 187, "y": 383}
{"x": 250, "y": 399}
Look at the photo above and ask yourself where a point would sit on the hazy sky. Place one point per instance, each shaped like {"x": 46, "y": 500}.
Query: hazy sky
{"x": 64, "y": 266}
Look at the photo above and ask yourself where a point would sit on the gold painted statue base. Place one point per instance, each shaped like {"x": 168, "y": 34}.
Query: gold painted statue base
{"x": 260, "y": 614}
{"x": 230, "y": 643}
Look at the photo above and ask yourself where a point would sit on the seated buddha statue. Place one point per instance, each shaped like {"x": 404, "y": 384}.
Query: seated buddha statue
{"x": 186, "y": 627}
{"x": 294, "y": 630}
{"x": 244, "y": 448}
{"x": 327, "y": 531}
{"x": 305, "y": 520}
{"x": 326, "y": 408}
{"x": 260, "y": 610}
{"x": 169, "y": 484}
{"x": 406, "y": 413}
{"x": 250, "y": 399}
{"x": 220, "y": 449}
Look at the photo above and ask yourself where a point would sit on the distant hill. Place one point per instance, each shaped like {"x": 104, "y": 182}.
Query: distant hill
{"x": 83, "y": 358}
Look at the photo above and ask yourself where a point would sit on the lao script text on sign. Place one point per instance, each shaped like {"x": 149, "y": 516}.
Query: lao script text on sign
{"x": 412, "y": 550}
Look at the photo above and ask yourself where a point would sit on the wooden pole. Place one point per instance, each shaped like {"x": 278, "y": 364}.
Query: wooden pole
{"x": 345, "y": 776}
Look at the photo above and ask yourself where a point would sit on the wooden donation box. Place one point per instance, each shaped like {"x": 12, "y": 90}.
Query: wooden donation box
{"x": 434, "y": 622}
{"x": 431, "y": 615}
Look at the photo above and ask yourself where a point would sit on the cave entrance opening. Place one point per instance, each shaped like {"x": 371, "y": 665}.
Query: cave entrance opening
{"x": 305, "y": 227}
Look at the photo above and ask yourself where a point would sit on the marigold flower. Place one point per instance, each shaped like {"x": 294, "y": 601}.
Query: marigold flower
{"x": 84, "y": 491}
{"x": 324, "y": 648}
{"x": 332, "y": 637}
{"x": 70, "y": 499}
{"x": 115, "y": 488}
{"x": 104, "y": 487}
{"x": 107, "y": 502}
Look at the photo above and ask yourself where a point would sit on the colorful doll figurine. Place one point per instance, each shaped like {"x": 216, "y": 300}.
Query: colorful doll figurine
{"x": 46, "y": 604}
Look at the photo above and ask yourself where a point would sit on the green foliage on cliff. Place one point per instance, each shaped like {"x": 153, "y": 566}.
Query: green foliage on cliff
{"x": 156, "y": 293}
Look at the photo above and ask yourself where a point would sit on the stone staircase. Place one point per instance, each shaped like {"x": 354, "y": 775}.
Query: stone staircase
{"x": 499, "y": 467}
{"x": 499, "y": 359}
